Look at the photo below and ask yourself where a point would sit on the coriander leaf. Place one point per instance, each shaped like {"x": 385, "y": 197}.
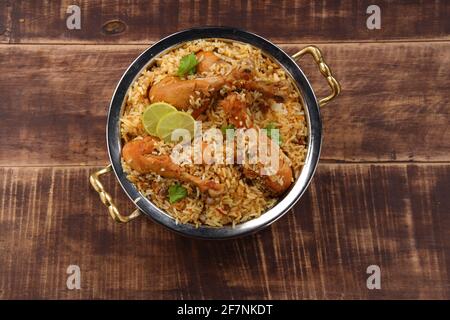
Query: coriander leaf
{"x": 272, "y": 126}
{"x": 187, "y": 65}
{"x": 224, "y": 128}
{"x": 177, "y": 192}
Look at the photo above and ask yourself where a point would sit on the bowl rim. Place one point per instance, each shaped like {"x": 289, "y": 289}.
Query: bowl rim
{"x": 312, "y": 113}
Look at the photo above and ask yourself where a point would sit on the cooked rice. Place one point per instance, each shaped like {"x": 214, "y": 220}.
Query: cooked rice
{"x": 244, "y": 199}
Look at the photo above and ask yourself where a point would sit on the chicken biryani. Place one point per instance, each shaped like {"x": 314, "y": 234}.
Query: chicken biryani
{"x": 226, "y": 87}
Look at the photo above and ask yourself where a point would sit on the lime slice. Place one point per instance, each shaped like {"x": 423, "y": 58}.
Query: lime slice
{"x": 153, "y": 113}
{"x": 172, "y": 121}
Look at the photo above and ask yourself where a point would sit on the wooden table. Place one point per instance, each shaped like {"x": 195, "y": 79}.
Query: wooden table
{"x": 380, "y": 194}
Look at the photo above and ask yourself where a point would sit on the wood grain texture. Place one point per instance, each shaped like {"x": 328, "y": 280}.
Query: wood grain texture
{"x": 5, "y": 21}
{"x": 394, "y": 105}
{"x": 281, "y": 21}
{"x": 352, "y": 216}
{"x": 365, "y": 206}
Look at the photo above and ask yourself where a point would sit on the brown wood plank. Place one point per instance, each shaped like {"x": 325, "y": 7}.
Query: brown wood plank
{"x": 394, "y": 104}
{"x": 281, "y": 21}
{"x": 5, "y": 21}
{"x": 352, "y": 216}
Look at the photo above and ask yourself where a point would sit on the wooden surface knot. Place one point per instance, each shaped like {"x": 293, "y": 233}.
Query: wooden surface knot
{"x": 114, "y": 27}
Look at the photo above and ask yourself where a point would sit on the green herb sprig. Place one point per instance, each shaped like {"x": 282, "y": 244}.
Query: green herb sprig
{"x": 270, "y": 127}
{"x": 188, "y": 65}
{"x": 177, "y": 192}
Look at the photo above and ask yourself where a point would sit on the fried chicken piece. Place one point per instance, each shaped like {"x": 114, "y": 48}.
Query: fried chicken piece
{"x": 277, "y": 183}
{"x": 207, "y": 60}
{"x": 236, "y": 111}
{"x": 276, "y": 91}
{"x": 178, "y": 92}
{"x": 138, "y": 155}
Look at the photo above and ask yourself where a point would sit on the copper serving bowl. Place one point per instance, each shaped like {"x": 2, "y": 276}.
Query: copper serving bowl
{"x": 312, "y": 115}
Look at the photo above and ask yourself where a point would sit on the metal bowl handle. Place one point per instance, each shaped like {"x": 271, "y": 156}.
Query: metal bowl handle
{"x": 324, "y": 69}
{"x": 106, "y": 198}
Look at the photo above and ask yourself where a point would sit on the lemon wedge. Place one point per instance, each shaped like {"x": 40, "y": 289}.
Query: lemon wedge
{"x": 153, "y": 113}
{"x": 172, "y": 121}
